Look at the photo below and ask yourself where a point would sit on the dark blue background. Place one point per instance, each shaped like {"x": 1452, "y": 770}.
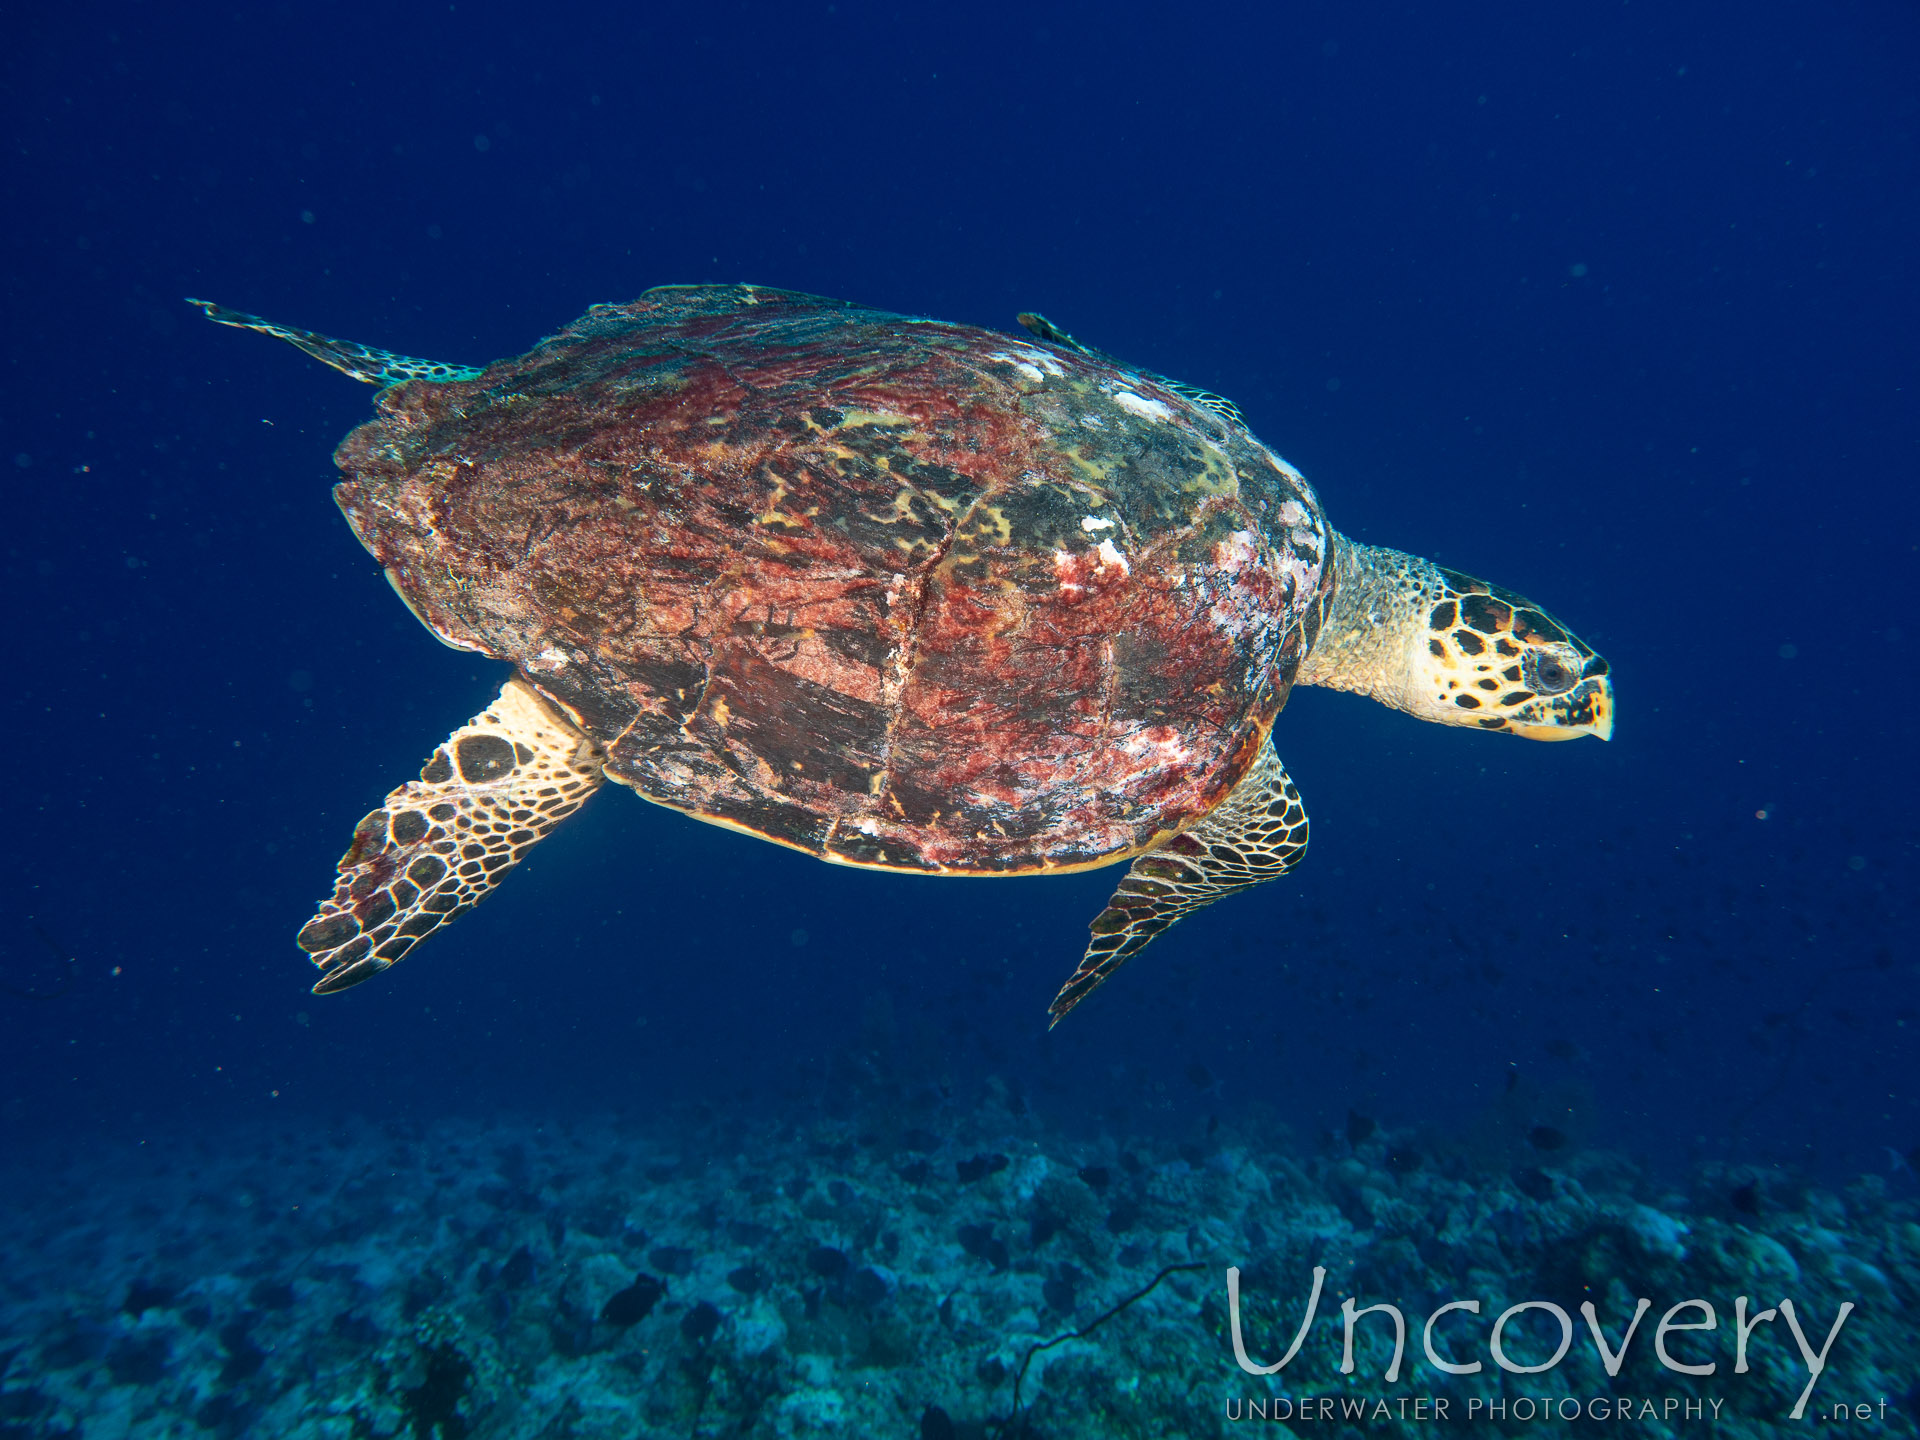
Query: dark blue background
{"x": 1613, "y": 304}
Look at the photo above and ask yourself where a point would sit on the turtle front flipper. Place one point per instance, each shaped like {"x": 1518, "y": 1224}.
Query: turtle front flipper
{"x": 502, "y": 781}
{"x": 361, "y": 362}
{"x": 1259, "y": 832}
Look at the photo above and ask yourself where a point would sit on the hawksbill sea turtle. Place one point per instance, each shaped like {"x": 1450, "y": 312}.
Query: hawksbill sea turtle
{"x": 902, "y": 594}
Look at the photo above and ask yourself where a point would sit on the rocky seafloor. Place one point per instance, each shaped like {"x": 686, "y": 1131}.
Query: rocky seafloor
{"x": 885, "y": 1273}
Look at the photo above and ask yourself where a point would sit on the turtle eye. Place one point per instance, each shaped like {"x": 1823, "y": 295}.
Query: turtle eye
{"x": 1549, "y": 674}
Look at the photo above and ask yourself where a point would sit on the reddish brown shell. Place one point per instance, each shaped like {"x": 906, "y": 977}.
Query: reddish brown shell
{"x": 892, "y": 591}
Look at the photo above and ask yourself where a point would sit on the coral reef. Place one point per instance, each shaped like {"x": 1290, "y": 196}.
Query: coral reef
{"x": 890, "y": 1274}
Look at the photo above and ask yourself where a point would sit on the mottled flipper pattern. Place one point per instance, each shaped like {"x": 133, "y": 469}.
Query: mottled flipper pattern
{"x": 1257, "y": 833}
{"x": 502, "y": 781}
{"x": 362, "y": 362}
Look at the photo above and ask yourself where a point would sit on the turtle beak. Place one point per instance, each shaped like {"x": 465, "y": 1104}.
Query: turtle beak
{"x": 1587, "y": 709}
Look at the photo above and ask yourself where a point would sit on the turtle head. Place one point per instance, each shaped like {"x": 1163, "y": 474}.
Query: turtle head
{"x": 1455, "y": 650}
{"x": 1494, "y": 660}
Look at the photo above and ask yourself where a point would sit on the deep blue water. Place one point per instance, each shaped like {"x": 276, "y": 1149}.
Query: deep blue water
{"x": 1615, "y": 306}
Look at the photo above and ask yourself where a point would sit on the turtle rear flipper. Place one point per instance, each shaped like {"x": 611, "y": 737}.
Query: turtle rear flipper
{"x": 499, "y": 783}
{"x": 361, "y": 362}
{"x": 1259, "y": 832}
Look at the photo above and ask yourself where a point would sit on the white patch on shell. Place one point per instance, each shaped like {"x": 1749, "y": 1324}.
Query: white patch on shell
{"x": 1160, "y": 745}
{"x": 1074, "y": 571}
{"x": 1034, "y": 365}
{"x": 1290, "y": 513}
{"x": 1091, "y": 523}
{"x": 1139, "y": 405}
{"x": 1067, "y": 568}
{"x": 1237, "y": 551}
{"x": 1235, "y": 611}
{"x": 551, "y": 658}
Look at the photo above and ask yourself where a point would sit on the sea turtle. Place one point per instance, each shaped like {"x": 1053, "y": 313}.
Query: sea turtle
{"x": 901, "y": 594}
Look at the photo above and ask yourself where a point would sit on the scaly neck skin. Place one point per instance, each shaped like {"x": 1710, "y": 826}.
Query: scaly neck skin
{"x": 1381, "y": 599}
